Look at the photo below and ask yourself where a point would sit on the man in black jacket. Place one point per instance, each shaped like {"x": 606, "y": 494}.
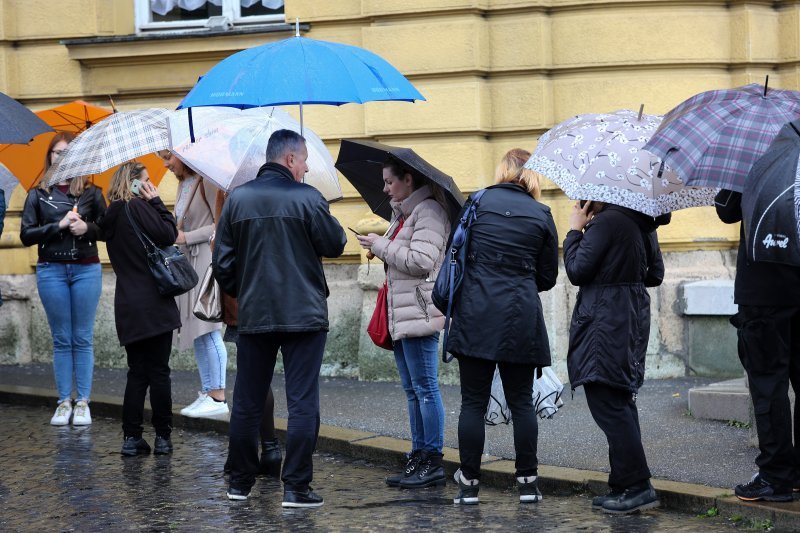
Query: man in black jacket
{"x": 271, "y": 236}
{"x": 768, "y": 324}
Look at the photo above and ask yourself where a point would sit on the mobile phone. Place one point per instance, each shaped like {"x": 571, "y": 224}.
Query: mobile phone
{"x": 136, "y": 185}
{"x": 582, "y": 203}
{"x": 354, "y": 231}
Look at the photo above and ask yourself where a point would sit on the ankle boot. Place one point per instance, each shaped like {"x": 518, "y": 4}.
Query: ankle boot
{"x": 412, "y": 463}
{"x": 430, "y": 472}
{"x": 270, "y": 463}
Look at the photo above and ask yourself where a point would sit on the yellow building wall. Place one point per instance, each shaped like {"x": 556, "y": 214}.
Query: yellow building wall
{"x": 496, "y": 74}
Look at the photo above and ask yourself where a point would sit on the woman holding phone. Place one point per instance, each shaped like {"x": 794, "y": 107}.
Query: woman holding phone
{"x": 63, "y": 222}
{"x": 145, "y": 320}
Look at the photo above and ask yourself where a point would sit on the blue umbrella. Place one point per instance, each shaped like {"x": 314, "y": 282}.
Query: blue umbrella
{"x": 301, "y": 71}
{"x": 18, "y": 124}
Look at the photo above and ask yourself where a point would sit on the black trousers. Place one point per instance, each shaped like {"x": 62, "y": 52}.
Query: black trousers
{"x": 255, "y": 360}
{"x": 148, "y": 366}
{"x": 769, "y": 349}
{"x": 476, "y": 387}
{"x": 614, "y": 411}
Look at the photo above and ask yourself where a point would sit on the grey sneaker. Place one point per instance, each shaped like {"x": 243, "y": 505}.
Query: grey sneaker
{"x": 467, "y": 489}
{"x": 528, "y": 489}
{"x": 633, "y": 500}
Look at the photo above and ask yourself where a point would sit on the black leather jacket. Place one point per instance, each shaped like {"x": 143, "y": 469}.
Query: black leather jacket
{"x": 270, "y": 239}
{"x": 41, "y": 214}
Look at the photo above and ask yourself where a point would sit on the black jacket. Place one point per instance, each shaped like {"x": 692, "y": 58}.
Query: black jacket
{"x": 140, "y": 312}
{"x": 612, "y": 261}
{"x": 512, "y": 256}
{"x": 757, "y": 283}
{"x": 271, "y": 237}
{"x": 41, "y": 214}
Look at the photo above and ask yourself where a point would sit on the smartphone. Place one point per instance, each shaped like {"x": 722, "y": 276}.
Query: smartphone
{"x": 136, "y": 186}
{"x": 354, "y": 231}
{"x": 582, "y": 203}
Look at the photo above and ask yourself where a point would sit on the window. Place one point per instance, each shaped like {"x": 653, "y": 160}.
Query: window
{"x": 179, "y": 14}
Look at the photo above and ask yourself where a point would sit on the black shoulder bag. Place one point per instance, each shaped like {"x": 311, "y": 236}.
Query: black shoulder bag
{"x": 448, "y": 282}
{"x": 171, "y": 269}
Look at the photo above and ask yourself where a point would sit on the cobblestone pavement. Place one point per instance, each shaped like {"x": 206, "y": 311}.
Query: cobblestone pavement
{"x": 73, "y": 479}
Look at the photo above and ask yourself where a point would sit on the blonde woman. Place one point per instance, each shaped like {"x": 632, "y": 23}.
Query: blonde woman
{"x": 63, "y": 222}
{"x": 498, "y": 321}
{"x": 145, "y": 320}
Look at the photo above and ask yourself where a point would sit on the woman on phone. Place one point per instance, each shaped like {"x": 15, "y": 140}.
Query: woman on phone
{"x": 63, "y": 222}
{"x": 145, "y": 320}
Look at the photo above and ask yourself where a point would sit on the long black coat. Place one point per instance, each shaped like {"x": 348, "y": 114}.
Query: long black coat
{"x": 140, "y": 312}
{"x": 612, "y": 261}
{"x": 512, "y": 256}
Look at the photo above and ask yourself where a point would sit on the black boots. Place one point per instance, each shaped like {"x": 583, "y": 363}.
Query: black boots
{"x": 412, "y": 462}
{"x": 636, "y": 498}
{"x": 133, "y": 446}
{"x": 270, "y": 463}
{"x": 429, "y": 473}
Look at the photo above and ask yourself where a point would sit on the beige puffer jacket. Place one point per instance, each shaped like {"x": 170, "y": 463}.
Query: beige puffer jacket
{"x": 413, "y": 259}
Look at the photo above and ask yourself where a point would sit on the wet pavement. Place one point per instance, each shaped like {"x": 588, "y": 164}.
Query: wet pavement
{"x": 73, "y": 479}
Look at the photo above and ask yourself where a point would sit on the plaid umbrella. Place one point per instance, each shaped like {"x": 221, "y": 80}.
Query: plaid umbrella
{"x": 713, "y": 138}
{"x": 600, "y": 157}
{"x": 771, "y": 201}
{"x": 111, "y": 142}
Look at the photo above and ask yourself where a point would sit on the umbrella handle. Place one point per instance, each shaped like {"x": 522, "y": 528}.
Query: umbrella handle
{"x": 641, "y": 109}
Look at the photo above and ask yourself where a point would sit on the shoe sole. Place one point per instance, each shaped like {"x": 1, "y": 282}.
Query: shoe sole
{"x": 293, "y": 505}
{"x": 128, "y": 454}
{"x": 82, "y": 423}
{"x": 437, "y": 483}
{"x": 162, "y": 452}
{"x": 236, "y": 497}
{"x": 644, "y": 507}
{"x": 787, "y": 498}
{"x": 530, "y": 498}
{"x": 207, "y": 415}
{"x": 466, "y": 501}
{"x": 59, "y": 424}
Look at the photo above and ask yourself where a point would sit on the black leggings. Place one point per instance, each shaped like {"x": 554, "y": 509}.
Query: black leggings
{"x": 148, "y": 367}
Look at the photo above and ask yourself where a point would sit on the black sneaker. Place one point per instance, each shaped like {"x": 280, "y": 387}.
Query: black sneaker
{"x": 633, "y": 499}
{"x": 528, "y": 489}
{"x": 430, "y": 473}
{"x": 598, "y": 501}
{"x": 134, "y": 446}
{"x": 796, "y": 486}
{"x": 162, "y": 446}
{"x": 760, "y": 489}
{"x": 237, "y": 495}
{"x": 412, "y": 463}
{"x": 467, "y": 489}
{"x": 307, "y": 498}
{"x": 270, "y": 462}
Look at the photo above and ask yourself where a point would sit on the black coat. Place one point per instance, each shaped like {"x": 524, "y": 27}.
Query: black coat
{"x": 271, "y": 236}
{"x": 43, "y": 211}
{"x": 512, "y": 256}
{"x": 140, "y": 311}
{"x": 612, "y": 261}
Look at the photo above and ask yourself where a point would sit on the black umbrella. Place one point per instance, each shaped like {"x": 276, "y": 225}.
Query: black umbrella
{"x": 771, "y": 201}
{"x": 18, "y": 124}
{"x": 361, "y": 162}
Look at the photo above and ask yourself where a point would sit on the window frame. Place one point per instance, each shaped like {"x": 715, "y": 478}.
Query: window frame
{"x": 230, "y": 8}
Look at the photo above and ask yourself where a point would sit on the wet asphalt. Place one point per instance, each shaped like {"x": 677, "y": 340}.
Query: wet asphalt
{"x": 73, "y": 479}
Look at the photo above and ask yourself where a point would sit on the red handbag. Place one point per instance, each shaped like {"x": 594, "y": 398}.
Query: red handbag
{"x": 378, "y": 328}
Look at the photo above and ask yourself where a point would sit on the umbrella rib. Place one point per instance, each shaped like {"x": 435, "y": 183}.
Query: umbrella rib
{"x": 760, "y": 220}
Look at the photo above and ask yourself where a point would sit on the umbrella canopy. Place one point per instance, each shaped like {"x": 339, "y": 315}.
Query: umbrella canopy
{"x": 714, "y": 138}
{"x": 361, "y": 162}
{"x": 299, "y": 70}
{"x": 771, "y": 201}
{"x": 18, "y": 124}
{"x": 119, "y": 138}
{"x": 26, "y": 162}
{"x": 230, "y": 146}
{"x": 8, "y": 182}
{"x": 600, "y": 157}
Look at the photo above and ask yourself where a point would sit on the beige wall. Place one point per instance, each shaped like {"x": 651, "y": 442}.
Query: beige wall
{"x": 496, "y": 75}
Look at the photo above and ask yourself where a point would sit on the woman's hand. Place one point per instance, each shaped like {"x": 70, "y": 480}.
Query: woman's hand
{"x": 181, "y": 238}
{"x": 580, "y": 216}
{"x": 148, "y": 191}
{"x": 78, "y": 227}
{"x": 366, "y": 241}
{"x": 68, "y": 219}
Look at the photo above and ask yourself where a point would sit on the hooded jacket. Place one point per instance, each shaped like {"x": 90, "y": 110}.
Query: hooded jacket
{"x": 612, "y": 261}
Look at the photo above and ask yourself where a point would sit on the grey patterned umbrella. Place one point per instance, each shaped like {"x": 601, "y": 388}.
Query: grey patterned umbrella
{"x": 119, "y": 138}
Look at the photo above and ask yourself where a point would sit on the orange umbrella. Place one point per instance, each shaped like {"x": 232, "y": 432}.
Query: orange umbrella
{"x": 26, "y": 161}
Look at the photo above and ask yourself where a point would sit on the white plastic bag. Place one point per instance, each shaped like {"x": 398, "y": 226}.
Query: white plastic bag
{"x": 546, "y": 398}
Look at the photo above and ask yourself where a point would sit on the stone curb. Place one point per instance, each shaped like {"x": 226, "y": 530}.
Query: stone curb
{"x": 496, "y": 471}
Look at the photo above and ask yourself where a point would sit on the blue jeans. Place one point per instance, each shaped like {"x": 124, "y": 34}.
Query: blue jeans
{"x": 418, "y": 362}
{"x": 212, "y": 358}
{"x": 69, "y": 294}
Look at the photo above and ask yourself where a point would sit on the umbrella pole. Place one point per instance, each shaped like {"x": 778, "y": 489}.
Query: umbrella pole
{"x": 641, "y": 109}
{"x": 191, "y": 125}
{"x": 301, "y": 118}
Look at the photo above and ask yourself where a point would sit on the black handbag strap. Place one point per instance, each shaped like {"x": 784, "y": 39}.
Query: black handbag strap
{"x": 139, "y": 233}
{"x": 465, "y": 222}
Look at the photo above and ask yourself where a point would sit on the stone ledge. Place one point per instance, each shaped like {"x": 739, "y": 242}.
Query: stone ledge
{"x": 707, "y": 297}
{"x": 726, "y": 400}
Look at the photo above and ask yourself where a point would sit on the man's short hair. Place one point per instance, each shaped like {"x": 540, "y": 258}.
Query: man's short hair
{"x": 282, "y": 142}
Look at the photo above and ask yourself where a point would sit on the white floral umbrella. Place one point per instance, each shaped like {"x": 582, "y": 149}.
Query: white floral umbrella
{"x": 599, "y": 157}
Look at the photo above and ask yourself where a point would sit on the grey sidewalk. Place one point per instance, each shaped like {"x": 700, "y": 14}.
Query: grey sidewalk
{"x": 679, "y": 447}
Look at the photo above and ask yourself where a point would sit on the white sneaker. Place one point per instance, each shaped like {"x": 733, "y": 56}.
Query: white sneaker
{"x": 62, "y": 414}
{"x": 81, "y": 416}
{"x": 188, "y": 409}
{"x": 208, "y": 408}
